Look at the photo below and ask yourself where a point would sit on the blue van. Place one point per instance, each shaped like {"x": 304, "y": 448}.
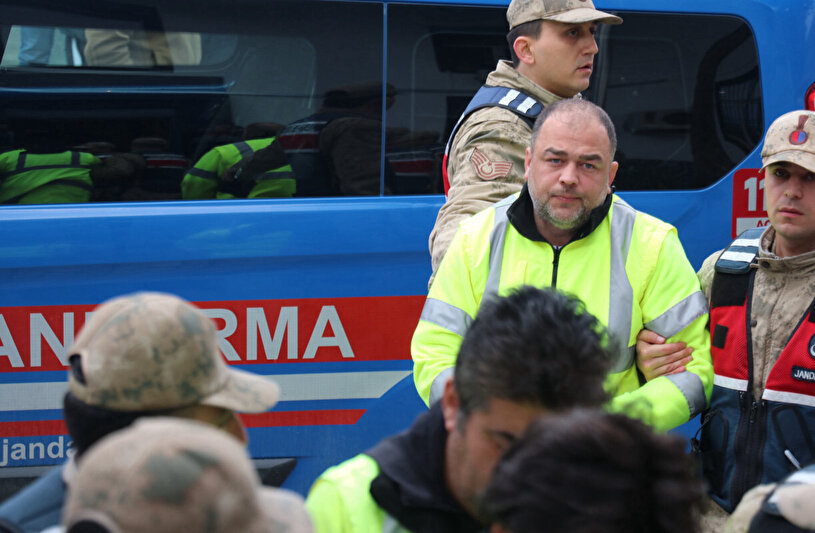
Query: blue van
{"x": 320, "y": 289}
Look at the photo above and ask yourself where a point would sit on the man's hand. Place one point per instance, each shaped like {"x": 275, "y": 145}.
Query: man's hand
{"x": 655, "y": 358}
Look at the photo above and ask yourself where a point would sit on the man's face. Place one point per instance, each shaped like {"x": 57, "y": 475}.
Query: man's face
{"x": 789, "y": 191}
{"x": 569, "y": 172}
{"x": 476, "y": 443}
{"x": 564, "y": 57}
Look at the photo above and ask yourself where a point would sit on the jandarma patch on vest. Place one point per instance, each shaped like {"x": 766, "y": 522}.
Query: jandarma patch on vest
{"x": 488, "y": 169}
{"x": 803, "y": 374}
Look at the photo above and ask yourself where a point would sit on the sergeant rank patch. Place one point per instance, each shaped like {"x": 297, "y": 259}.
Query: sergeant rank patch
{"x": 488, "y": 169}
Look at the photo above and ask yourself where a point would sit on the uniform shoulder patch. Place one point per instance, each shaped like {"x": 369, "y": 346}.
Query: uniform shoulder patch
{"x": 488, "y": 169}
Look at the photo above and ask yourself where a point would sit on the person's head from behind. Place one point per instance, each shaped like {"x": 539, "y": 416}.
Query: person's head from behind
{"x": 589, "y": 471}
{"x": 532, "y": 352}
{"x": 552, "y": 42}
{"x": 569, "y": 166}
{"x": 149, "y": 354}
{"x": 788, "y": 161}
{"x": 166, "y": 475}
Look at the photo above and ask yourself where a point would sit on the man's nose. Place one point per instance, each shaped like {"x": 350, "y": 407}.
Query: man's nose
{"x": 568, "y": 176}
{"x": 591, "y": 45}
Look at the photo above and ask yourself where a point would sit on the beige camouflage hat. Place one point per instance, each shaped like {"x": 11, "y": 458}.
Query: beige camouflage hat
{"x": 791, "y": 138}
{"x": 153, "y": 351}
{"x": 166, "y": 475}
{"x": 569, "y": 11}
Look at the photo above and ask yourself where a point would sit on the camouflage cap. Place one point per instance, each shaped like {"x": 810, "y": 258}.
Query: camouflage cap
{"x": 790, "y": 503}
{"x": 791, "y": 138}
{"x": 154, "y": 351}
{"x": 166, "y": 474}
{"x": 568, "y": 11}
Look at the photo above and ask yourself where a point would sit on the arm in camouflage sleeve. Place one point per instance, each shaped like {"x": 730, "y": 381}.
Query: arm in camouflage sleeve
{"x": 477, "y": 165}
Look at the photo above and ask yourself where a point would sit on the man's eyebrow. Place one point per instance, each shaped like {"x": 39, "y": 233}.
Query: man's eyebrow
{"x": 553, "y": 151}
{"x": 582, "y": 157}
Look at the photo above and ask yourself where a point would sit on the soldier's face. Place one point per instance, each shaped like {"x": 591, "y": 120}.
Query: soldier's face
{"x": 789, "y": 191}
{"x": 569, "y": 173}
{"x": 564, "y": 57}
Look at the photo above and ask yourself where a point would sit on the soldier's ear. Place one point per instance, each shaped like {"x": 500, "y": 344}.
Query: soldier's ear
{"x": 523, "y": 49}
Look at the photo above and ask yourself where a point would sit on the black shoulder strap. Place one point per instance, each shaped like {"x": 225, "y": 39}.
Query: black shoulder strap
{"x": 731, "y": 278}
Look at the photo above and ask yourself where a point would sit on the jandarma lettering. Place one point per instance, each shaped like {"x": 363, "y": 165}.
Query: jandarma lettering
{"x": 803, "y": 374}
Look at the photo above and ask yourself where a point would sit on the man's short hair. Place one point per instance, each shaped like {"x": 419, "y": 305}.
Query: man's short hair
{"x": 535, "y": 346}
{"x": 588, "y": 470}
{"x": 576, "y": 105}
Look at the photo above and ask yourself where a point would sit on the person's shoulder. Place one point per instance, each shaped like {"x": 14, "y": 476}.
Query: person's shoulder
{"x": 352, "y": 471}
{"x": 486, "y": 116}
{"x": 37, "y": 506}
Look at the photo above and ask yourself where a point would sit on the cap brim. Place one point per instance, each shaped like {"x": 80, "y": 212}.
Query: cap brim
{"x": 584, "y": 14}
{"x": 283, "y": 510}
{"x": 245, "y": 392}
{"x": 797, "y": 157}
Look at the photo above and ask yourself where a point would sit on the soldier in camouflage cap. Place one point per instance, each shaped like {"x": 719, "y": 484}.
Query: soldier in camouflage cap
{"x": 765, "y": 280}
{"x": 140, "y": 355}
{"x": 552, "y": 47}
{"x": 154, "y": 351}
{"x": 784, "y": 507}
{"x": 171, "y": 475}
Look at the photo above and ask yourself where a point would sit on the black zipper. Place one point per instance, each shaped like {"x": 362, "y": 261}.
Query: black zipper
{"x": 555, "y": 260}
{"x": 751, "y": 433}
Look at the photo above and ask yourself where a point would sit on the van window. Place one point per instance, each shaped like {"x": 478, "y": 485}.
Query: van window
{"x": 171, "y": 102}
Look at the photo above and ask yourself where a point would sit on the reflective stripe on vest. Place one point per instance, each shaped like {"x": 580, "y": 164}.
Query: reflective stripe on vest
{"x": 78, "y": 181}
{"x": 514, "y": 100}
{"x": 390, "y": 525}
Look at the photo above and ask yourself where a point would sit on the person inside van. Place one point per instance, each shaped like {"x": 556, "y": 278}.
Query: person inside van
{"x": 552, "y": 46}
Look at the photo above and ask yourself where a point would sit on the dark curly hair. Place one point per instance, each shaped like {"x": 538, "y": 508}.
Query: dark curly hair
{"x": 589, "y": 471}
{"x": 535, "y": 346}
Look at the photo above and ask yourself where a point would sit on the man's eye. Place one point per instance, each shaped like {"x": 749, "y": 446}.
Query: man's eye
{"x": 589, "y": 166}
{"x": 554, "y": 160}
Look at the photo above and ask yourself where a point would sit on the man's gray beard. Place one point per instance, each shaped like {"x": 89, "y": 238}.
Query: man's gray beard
{"x": 573, "y": 222}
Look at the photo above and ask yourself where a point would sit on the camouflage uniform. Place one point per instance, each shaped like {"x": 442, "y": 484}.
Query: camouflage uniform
{"x": 493, "y": 134}
{"x": 783, "y": 286}
{"x": 782, "y": 293}
{"x": 168, "y": 475}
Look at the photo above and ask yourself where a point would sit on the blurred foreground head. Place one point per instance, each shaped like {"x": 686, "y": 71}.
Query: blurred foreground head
{"x": 587, "y": 471}
{"x": 167, "y": 475}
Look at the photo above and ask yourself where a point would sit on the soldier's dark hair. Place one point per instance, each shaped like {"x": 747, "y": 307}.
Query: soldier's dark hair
{"x": 576, "y": 106}
{"x": 527, "y": 29}
{"x": 588, "y": 470}
{"x": 535, "y": 346}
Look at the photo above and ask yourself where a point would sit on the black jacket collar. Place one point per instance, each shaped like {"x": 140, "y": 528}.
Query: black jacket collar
{"x": 522, "y": 217}
{"x": 411, "y": 486}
